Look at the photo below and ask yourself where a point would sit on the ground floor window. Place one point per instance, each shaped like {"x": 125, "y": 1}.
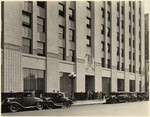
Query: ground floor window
{"x": 120, "y": 84}
{"x": 33, "y": 80}
{"x": 132, "y": 85}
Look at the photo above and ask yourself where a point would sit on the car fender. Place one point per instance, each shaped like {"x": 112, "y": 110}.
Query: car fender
{"x": 17, "y": 104}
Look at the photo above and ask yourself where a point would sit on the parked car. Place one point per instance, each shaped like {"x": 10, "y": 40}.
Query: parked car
{"x": 141, "y": 96}
{"x": 112, "y": 98}
{"x": 24, "y": 101}
{"x": 122, "y": 97}
{"x": 56, "y": 99}
{"x": 133, "y": 96}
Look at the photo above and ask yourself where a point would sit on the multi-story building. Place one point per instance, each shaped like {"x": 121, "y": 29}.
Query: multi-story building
{"x": 102, "y": 42}
{"x": 147, "y": 22}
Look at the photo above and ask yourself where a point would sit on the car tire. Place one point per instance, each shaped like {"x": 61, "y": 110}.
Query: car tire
{"x": 68, "y": 104}
{"x": 39, "y": 105}
{"x": 49, "y": 105}
{"x": 14, "y": 108}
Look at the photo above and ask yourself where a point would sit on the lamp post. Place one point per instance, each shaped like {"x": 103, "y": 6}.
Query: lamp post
{"x": 72, "y": 76}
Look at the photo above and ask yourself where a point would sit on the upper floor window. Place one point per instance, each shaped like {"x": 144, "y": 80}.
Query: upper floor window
{"x": 41, "y": 4}
{"x": 26, "y": 45}
{"x": 109, "y": 16}
{"x": 108, "y": 33}
{"x": 109, "y": 47}
{"x": 72, "y": 55}
{"x": 40, "y": 25}
{"x": 71, "y": 14}
{"x": 40, "y": 48}
{"x": 71, "y": 35}
{"x": 61, "y": 53}
{"x": 61, "y": 32}
{"x": 88, "y": 41}
{"x": 118, "y": 51}
{"x": 103, "y": 45}
{"x": 118, "y": 36}
{"x": 118, "y": 21}
{"x": 102, "y": 29}
{"x": 26, "y": 19}
{"x": 122, "y": 38}
{"x": 62, "y": 10}
{"x": 109, "y": 3}
{"x": 122, "y": 26}
{"x": 109, "y": 63}
{"x": 118, "y": 65}
{"x": 117, "y": 6}
{"x": 122, "y": 10}
{"x": 88, "y": 5}
{"x": 103, "y": 12}
{"x": 88, "y": 22}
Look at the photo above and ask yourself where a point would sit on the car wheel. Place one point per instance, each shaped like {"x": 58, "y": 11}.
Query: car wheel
{"x": 14, "y": 108}
{"x": 49, "y": 105}
{"x": 68, "y": 104}
{"x": 39, "y": 105}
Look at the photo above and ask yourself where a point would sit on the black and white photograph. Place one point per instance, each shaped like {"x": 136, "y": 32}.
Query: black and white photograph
{"x": 75, "y": 58}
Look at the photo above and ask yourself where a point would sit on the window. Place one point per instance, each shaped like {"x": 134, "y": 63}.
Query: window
{"x": 133, "y": 56}
{"x": 88, "y": 5}
{"x": 61, "y": 32}
{"x": 129, "y": 28}
{"x": 122, "y": 26}
{"x": 133, "y": 69}
{"x": 26, "y": 45}
{"x": 139, "y": 46}
{"x": 33, "y": 80}
{"x": 102, "y": 29}
{"x": 118, "y": 36}
{"x": 122, "y": 66}
{"x": 109, "y": 3}
{"x": 122, "y": 38}
{"x": 61, "y": 53}
{"x": 130, "y": 3}
{"x": 109, "y": 63}
{"x": 139, "y": 70}
{"x": 122, "y": 54}
{"x": 26, "y": 19}
{"x": 133, "y": 43}
{"x": 72, "y": 55}
{"x": 40, "y": 48}
{"x": 120, "y": 84}
{"x": 132, "y": 85}
{"x": 109, "y": 15}
{"x": 139, "y": 34}
{"x": 103, "y": 45}
{"x": 41, "y": 4}
{"x": 40, "y": 25}
{"x": 89, "y": 41}
{"x": 129, "y": 41}
{"x": 108, "y": 34}
{"x": 122, "y": 11}
{"x": 88, "y": 25}
{"x": 133, "y": 5}
{"x": 117, "y": 21}
{"x": 108, "y": 47}
{"x": 130, "y": 15}
{"x": 133, "y": 18}
{"x": 103, "y": 62}
{"x": 117, "y": 6}
{"x": 118, "y": 65}
{"x": 71, "y": 14}
{"x": 62, "y": 10}
{"x": 140, "y": 10}
{"x": 139, "y": 58}
{"x": 71, "y": 35}
{"x": 129, "y": 68}
{"x": 139, "y": 22}
{"x": 103, "y": 12}
{"x": 129, "y": 55}
{"x": 133, "y": 31}
{"x": 118, "y": 51}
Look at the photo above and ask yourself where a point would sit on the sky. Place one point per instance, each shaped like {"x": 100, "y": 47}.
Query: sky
{"x": 146, "y": 6}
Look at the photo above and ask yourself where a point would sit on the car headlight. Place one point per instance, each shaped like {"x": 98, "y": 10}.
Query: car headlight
{"x": 8, "y": 101}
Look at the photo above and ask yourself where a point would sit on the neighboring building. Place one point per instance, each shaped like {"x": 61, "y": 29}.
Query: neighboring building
{"x": 147, "y": 22}
{"x": 102, "y": 42}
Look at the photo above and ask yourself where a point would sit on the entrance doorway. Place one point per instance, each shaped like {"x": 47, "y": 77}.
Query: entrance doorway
{"x": 106, "y": 86}
{"x": 89, "y": 83}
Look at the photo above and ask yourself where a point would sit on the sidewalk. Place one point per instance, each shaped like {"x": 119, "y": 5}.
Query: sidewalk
{"x": 88, "y": 102}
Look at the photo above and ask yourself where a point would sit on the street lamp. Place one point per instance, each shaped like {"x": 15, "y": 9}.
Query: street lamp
{"x": 72, "y": 76}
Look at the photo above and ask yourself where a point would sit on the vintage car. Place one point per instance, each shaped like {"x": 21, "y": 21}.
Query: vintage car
{"x": 133, "y": 96}
{"x": 56, "y": 99}
{"x": 142, "y": 96}
{"x": 23, "y": 101}
{"x": 112, "y": 98}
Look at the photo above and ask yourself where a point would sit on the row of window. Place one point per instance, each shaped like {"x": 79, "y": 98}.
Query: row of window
{"x": 118, "y": 66}
{"x": 118, "y": 52}
{"x": 103, "y": 30}
{"x": 108, "y": 63}
{"x": 118, "y": 8}
{"x": 118, "y": 37}
{"x": 103, "y": 46}
{"x": 108, "y": 14}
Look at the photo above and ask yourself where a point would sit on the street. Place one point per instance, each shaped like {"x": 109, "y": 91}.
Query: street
{"x": 120, "y": 109}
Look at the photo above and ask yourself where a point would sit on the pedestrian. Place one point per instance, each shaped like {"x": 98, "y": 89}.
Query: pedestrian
{"x": 88, "y": 94}
{"x": 98, "y": 95}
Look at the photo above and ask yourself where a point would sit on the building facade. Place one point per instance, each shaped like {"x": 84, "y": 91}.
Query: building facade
{"x": 147, "y": 22}
{"x": 102, "y": 42}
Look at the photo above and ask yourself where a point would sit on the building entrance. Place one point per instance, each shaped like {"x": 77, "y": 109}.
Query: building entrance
{"x": 89, "y": 83}
{"x": 65, "y": 84}
{"x": 106, "y": 86}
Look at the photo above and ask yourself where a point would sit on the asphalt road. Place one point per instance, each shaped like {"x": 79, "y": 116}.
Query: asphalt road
{"x": 121, "y": 109}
